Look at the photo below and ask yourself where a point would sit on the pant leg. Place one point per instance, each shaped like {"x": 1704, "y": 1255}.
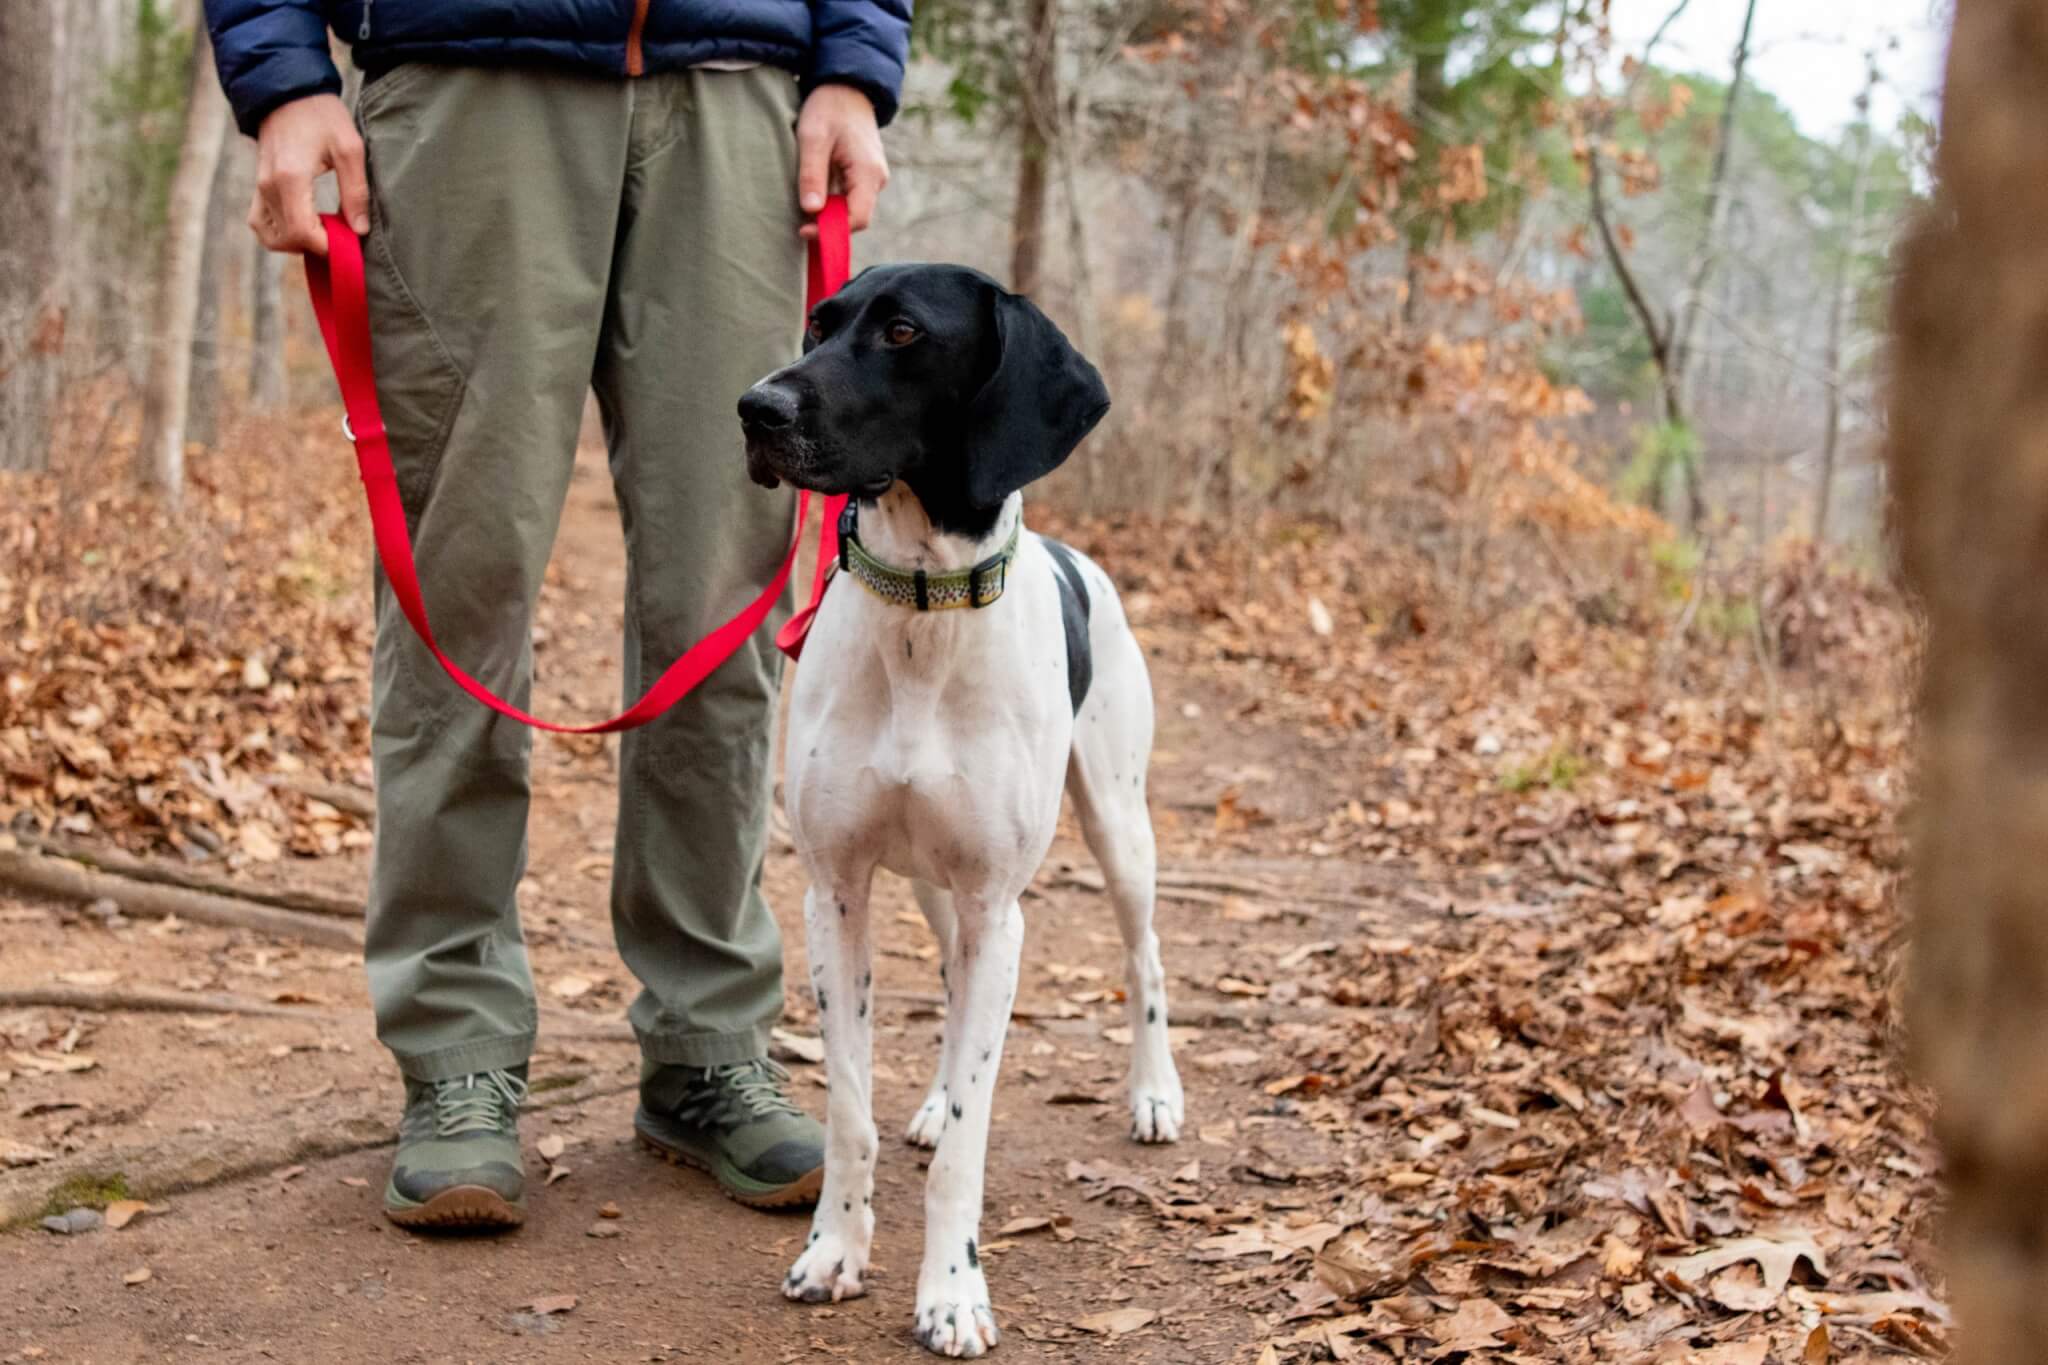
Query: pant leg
{"x": 706, "y": 297}
{"x": 495, "y": 197}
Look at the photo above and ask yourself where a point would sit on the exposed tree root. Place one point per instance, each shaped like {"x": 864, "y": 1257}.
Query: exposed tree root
{"x": 67, "y": 880}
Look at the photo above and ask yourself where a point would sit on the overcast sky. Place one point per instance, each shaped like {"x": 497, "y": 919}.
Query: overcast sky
{"x": 1808, "y": 53}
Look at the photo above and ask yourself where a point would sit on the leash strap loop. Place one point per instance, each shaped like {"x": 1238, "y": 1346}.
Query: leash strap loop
{"x": 340, "y": 302}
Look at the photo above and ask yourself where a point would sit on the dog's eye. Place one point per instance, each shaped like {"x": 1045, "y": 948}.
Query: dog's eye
{"x": 813, "y": 332}
{"x": 901, "y": 332}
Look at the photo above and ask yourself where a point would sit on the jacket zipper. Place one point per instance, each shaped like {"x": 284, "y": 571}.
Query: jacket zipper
{"x": 636, "y": 59}
{"x": 363, "y": 29}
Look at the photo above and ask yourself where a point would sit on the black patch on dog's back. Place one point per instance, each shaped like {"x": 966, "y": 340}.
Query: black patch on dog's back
{"x": 1074, "y": 616}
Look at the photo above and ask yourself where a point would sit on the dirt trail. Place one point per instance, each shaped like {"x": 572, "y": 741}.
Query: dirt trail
{"x": 297, "y": 1263}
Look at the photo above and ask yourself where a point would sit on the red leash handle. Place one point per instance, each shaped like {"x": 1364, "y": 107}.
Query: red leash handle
{"x": 341, "y": 303}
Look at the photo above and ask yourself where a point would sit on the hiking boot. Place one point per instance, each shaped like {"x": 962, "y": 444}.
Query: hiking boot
{"x": 458, "y": 1162}
{"x": 738, "y": 1123}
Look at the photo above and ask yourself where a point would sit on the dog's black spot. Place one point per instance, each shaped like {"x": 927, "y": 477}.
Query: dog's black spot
{"x": 862, "y": 1012}
{"x": 906, "y": 649}
{"x": 1151, "y": 1014}
{"x": 842, "y": 909}
{"x": 987, "y": 1053}
{"x": 974, "y": 1078}
{"x": 952, "y": 1270}
{"x": 814, "y": 1237}
{"x": 1074, "y": 608}
{"x": 956, "y": 1109}
{"x": 847, "y": 1207}
{"x": 867, "y": 979}
{"x": 973, "y": 1254}
{"x": 822, "y": 1006}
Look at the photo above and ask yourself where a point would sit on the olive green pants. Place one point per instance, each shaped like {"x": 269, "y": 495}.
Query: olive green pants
{"x": 537, "y": 235}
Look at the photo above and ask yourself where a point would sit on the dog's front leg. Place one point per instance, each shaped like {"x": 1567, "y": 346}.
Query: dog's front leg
{"x": 954, "y": 1317}
{"x": 930, "y": 1119}
{"x": 842, "y": 978}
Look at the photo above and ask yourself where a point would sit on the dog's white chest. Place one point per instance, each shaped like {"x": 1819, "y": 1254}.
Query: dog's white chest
{"x": 942, "y": 776}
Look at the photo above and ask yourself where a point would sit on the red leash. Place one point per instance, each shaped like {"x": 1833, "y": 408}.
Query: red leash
{"x": 341, "y": 304}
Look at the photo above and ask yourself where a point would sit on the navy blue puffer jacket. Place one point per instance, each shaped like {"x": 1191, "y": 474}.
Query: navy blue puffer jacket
{"x": 273, "y": 51}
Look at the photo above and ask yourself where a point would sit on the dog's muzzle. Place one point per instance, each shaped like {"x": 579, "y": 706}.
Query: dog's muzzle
{"x": 768, "y": 416}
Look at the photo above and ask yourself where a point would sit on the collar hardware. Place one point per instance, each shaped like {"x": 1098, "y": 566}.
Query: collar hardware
{"x": 974, "y": 588}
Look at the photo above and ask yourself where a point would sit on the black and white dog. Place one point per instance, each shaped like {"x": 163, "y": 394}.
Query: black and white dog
{"x": 935, "y": 742}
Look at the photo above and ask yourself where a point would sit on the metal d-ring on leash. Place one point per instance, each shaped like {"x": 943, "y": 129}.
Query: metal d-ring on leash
{"x": 341, "y": 303}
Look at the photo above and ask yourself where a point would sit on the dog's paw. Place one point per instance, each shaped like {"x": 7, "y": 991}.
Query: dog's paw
{"x": 954, "y": 1317}
{"x": 1156, "y": 1113}
{"x": 928, "y": 1122}
{"x": 828, "y": 1271}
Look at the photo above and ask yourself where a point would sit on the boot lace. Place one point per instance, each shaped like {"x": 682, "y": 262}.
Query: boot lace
{"x": 483, "y": 1100}
{"x": 756, "y": 1087}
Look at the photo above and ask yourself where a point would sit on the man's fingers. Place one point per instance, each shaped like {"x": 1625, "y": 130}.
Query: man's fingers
{"x": 290, "y": 196}
{"x": 863, "y": 186}
{"x": 259, "y": 221}
{"x": 813, "y": 165}
{"x": 355, "y": 183}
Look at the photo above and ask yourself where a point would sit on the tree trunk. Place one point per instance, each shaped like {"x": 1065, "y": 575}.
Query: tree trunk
{"x": 266, "y": 332}
{"x": 1658, "y": 337}
{"x": 1430, "y": 91}
{"x": 160, "y": 455}
{"x": 1034, "y": 146}
{"x": 31, "y": 215}
{"x": 1173, "y": 348}
{"x": 1717, "y": 208}
{"x": 202, "y": 422}
{"x": 1838, "y": 312}
{"x": 1674, "y": 368}
{"x": 1967, "y": 408}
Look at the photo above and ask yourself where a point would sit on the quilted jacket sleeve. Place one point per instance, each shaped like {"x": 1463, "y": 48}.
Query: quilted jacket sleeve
{"x": 269, "y": 52}
{"x": 862, "y": 43}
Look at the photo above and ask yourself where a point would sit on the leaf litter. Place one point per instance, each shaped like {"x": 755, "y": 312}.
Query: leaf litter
{"x": 1592, "y": 977}
{"x": 1601, "y": 1027}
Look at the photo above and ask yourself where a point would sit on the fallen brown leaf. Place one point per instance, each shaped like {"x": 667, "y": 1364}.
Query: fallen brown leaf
{"x": 1776, "y": 1256}
{"x": 570, "y": 986}
{"x": 122, "y": 1212}
{"x": 1117, "y": 1321}
{"x": 1474, "y": 1327}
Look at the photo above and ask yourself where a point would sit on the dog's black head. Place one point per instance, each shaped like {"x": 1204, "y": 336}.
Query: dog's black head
{"x": 932, "y": 374}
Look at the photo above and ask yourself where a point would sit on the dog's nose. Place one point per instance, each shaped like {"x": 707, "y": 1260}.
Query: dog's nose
{"x": 768, "y": 407}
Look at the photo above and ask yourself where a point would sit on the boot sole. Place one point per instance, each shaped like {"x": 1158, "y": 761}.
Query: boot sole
{"x": 460, "y": 1206}
{"x": 799, "y": 1193}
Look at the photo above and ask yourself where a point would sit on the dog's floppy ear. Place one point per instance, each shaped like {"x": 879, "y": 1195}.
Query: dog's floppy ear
{"x": 1041, "y": 398}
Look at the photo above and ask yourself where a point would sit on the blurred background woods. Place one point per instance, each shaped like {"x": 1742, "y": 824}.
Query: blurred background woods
{"x": 1548, "y": 330}
{"x": 1432, "y": 267}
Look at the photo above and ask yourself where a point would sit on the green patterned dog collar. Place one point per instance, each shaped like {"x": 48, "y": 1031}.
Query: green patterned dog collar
{"x": 976, "y": 587}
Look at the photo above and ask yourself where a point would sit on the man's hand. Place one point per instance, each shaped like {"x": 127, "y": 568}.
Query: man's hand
{"x": 837, "y": 140}
{"x": 297, "y": 143}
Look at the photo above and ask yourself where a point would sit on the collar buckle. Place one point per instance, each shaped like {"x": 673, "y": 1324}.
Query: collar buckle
{"x": 996, "y": 566}
{"x": 849, "y": 531}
